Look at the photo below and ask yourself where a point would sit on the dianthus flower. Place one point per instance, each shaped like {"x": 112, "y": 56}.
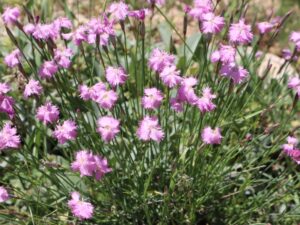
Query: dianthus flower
{"x": 170, "y": 76}
{"x": 7, "y": 105}
{"x": 295, "y": 38}
{"x": 287, "y": 55}
{"x": 240, "y": 33}
{"x": 186, "y": 91}
{"x": 291, "y": 144}
{"x": 119, "y": 10}
{"x": 10, "y": 15}
{"x": 13, "y": 59}
{"x": 4, "y": 196}
{"x": 101, "y": 167}
{"x": 62, "y": 22}
{"x": 78, "y": 36}
{"x": 139, "y": 14}
{"x": 115, "y": 76}
{"x": 265, "y": 27}
{"x": 205, "y": 103}
{"x": 106, "y": 98}
{"x": 9, "y": 137}
{"x": 108, "y": 127}
{"x": 237, "y": 73}
{"x": 201, "y": 7}
{"x": 159, "y": 60}
{"x": 65, "y": 132}
{"x": 149, "y": 129}
{"x": 48, "y": 69}
{"x": 95, "y": 89}
{"x": 33, "y": 87}
{"x": 29, "y": 28}
{"x": 152, "y": 98}
{"x": 294, "y": 83}
{"x": 84, "y": 92}
{"x": 176, "y": 104}
{"x": 81, "y": 209}
{"x": 47, "y": 113}
{"x": 4, "y": 88}
{"x": 225, "y": 54}
{"x": 212, "y": 24}
{"x": 45, "y": 31}
{"x": 84, "y": 163}
{"x": 211, "y": 136}
{"x": 63, "y": 57}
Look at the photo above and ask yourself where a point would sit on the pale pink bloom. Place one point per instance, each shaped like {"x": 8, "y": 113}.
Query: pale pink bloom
{"x": 139, "y": 14}
{"x": 4, "y": 196}
{"x": 294, "y": 82}
{"x": 186, "y": 91}
{"x": 45, "y": 31}
{"x": 265, "y": 27}
{"x": 159, "y": 60}
{"x": 7, "y": 105}
{"x": 295, "y": 38}
{"x": 258, "y": 54}
{"x": 65, "y": 132}
{"x": 9, "y": 137}
{"x": 204, "y": 3}
{"x": 84, "y": 163}
{"x": 10, "y": 15}
{"x": 215, "y": 56}
{"x": 291, "y": 144}
{"x": 108, "y": 127}
{"x": 101, "y": 167}
{"x": 33, "y": 87}
{"x": 157, "y": 2}
{"x": 62, "y": 22}
{"x": 119, "y": 10}
{"x": 149, "y": 129}
{"x": 176, "y": 104}
{"x": 211, "y": 136}
{"x": 106, "y": 98}
{"x": 226, "y": 54}
{"x": 237, "y": 73}
{"x": 48, "y": 69}
{"x": 287, "y": 55}
{"x": 115, "y": 76}
{"x": 4, "y": 88}
{"x": 78, "y": 36}
{"x": 212, "y": 24}
{"x": 295, "y": 155}
{"x": 29, "y": 28}
{"x": 152, "y": 98}
{"x": 240, "y": 33}
{"x": 13, "y": 59}
{"x": 201, "y": 7}
{"x": 170, "y": 76}
{"x": 63, "y": 57}
{"x": 81, "y": 209}
{"x": 205, "y": 103}
{"x": 85, "y": 92}
{"x": 96, "y": 89}
{"x": 47, "y": 113}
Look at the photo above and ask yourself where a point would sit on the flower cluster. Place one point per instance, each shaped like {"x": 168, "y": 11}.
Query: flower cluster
{"x": 9, "y": 137}
{"x": 81, "y": 209}
{"x": 290, "y": 148}
{"x": 90, "y": 165}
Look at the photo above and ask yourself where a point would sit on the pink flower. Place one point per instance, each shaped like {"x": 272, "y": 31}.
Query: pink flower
{"x": 29, "y": 28}
{"x": 65, "y": 132}
{"x": 85, "y": 92}
{"x": 159, "y": 60}
{"x": 265, "y": 27}
{"x": 186, "y": 91}
{"x": 48, "y": 69}
{"x": 287, "y": 55}
{"x": 106, "y": 98}
{"x": 205, "y": 103}
{"x": 225, "y": 54}
{"x": 45, "y": 31}
{"x": 81, "y": 209}
{"x": 258, "y": 54}
{"x": 4, "y": 88}
{"x": 201, "y": 7}
{"x": 176, "y": 104}
{"x": 291, "y": 144}
{"x": 62, "y": 22}
{"x": 101, "y": 167}
{"x": 115, "y": 76}
{"x": 212, "y": 24}
{"x": 84, "y": 163}
{"x": 149, "y": 129}
{"x": 78, "y": 36}
{"x": 294, "y": 82}
{"x": 211, "y": 136}
{"x": 295, "y": 38}
{"x": 139, "y": 14}
{"x": 96, "y": 89}
{"x": 152, "y": 98}
{"x": 170, "y": 76}
{"x": 237, "y": 73}
{"x": 108, "y": 128}
{"x": 13, "y": 59}
{"x": 47, "y": 113}
{"x": 4, "y": 196}
{"x": 32, "y": 88}
{"x": 119, "y": 10}
{"x": 9, "y": 137}
{"x": 240, "y": 33}
{"x": 7, "y": 105}
{"x": 63, "y": 57}
{"x": 295, "y": 155}
{"x": 10, "y": 15}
